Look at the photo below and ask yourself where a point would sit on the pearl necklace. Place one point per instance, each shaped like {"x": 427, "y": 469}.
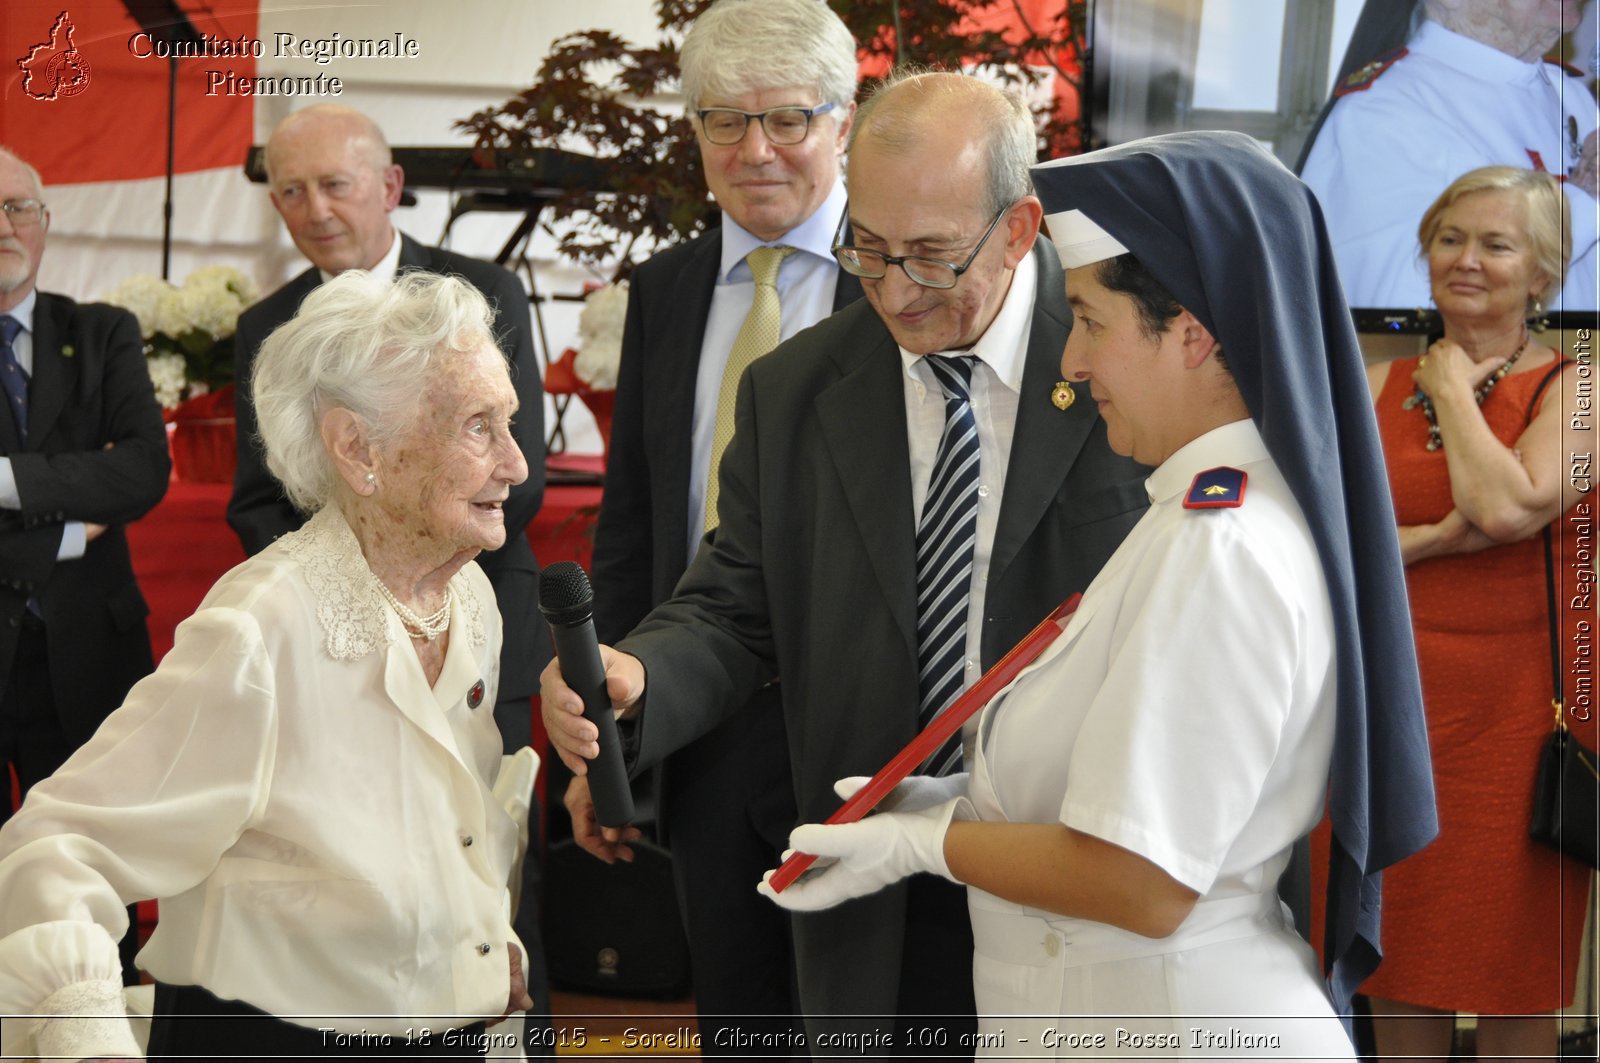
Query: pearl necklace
{"x": 427, "y": 627}
{"x": 1480, "y": 393}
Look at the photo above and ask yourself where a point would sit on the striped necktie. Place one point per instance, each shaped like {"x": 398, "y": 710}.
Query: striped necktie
{"x": 946, "y": 534}
{"x": 12, "y": 378}
{"x": 758, "y": 335}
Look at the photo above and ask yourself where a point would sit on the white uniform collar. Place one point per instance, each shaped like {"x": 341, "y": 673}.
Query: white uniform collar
{"x": 1470, "y": 56}
{"x": 1236, "y": 443}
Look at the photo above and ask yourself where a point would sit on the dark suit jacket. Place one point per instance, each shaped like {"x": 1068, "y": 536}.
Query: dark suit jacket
{"x": 812, "y": 576}
{"x": 90, "y": 388}
{"x": 259, "y": 512}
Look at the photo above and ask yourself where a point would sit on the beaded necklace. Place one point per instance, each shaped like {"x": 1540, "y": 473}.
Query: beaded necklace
{"x": 1480, "y": 393}
{"x": 427, "y": 627}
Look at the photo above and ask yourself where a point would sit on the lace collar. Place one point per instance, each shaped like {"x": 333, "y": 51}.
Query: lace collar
{"x": 355, "y": 619}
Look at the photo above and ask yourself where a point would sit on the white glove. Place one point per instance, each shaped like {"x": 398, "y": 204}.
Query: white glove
{"x": 912, "y": 794}
{"x": 868, "y": 855}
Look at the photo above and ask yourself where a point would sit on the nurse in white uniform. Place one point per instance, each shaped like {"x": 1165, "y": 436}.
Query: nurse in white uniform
{"x": 1135, "y": 793}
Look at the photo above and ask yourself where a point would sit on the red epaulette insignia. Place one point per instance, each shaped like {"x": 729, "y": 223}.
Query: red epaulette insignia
{"x": 1556, "y": 60}
{"x": 1367, "y": 73}
{"x": 1221, "y": 488}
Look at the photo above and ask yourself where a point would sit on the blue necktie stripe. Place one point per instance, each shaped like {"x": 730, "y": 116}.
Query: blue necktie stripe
{"x": 12, "y": 379}
{"x": 946, "y": 535}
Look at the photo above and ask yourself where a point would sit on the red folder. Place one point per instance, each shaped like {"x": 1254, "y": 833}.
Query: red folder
{"x": 937, "y": 733}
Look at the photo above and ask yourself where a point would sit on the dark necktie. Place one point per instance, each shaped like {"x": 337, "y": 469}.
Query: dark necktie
{"x": 946, "y": 534}
{"x": 12, "y": 378}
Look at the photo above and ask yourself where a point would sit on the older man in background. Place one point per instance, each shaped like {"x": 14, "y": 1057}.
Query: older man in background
{"x": 83, "y": 452}
{"x": 334, "y": 182}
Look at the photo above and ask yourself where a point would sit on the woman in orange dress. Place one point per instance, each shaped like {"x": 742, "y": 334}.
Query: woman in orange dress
{"x": 1484, "y": 920}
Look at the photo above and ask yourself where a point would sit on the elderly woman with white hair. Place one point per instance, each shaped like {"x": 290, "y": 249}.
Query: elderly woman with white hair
{"x": 306, "y": 781}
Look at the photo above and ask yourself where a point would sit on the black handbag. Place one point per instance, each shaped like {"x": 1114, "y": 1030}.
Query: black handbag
{"x": 1566, "y": 789}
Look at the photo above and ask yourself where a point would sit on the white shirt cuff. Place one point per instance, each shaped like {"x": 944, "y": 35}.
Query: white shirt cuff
{"x": 9, "y": 499}
{"x": 74, "y": 539}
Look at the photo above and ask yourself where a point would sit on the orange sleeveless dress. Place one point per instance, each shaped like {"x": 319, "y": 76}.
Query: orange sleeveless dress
{"x": 1484, "y": 919}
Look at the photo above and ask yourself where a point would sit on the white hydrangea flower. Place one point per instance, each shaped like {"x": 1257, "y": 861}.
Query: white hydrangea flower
{"x": 169, "y": 375}
{"x": 605, "y": 310}
{"x": 146, "y": 297}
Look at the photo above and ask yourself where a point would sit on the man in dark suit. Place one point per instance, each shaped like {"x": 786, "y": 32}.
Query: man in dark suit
{"x": 83, "y": 452}
{"x": 727, "y": 802}
{"x": 812, "y": 572}
{"x": 334, "y": 182}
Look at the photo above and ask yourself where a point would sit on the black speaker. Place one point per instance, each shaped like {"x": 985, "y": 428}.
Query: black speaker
{"x": 614, "y": 928}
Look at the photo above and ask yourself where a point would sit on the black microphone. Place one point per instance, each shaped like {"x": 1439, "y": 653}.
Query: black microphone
{"x": 567, "y": 603}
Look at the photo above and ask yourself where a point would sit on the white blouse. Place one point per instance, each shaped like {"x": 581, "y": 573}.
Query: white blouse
{"x": 316, "y": 821}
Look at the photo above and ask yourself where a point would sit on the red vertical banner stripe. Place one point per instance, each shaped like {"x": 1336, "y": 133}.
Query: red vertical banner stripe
{"x": 84, "y": 89}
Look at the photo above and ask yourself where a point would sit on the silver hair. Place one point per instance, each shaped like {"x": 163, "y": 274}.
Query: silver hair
{"x": 33, "y": 175}
{"x": 743, "y": 46}
{"x": 901, "y": 108}
{"x": 364, "y": 344}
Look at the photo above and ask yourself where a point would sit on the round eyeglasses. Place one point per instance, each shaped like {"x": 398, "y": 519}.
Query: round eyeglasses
{"x": 23, "y": 212}
{"x": 928, "y": 272}
{"x": 783, "y": 126}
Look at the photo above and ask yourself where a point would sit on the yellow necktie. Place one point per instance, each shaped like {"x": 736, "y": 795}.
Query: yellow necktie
{"x": 757, "y": 336}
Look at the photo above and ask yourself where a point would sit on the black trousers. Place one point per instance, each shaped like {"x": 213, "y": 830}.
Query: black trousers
{"x": 729, "y": 807}
{"x": 34, "y": 744}
{"x": 937, "y": 1011}
{"x": 514, "y": 718}
{"x": 190, "y": 1023}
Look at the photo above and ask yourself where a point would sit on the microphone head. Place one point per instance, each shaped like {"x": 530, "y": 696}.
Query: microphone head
{"x": 565, "y": 596}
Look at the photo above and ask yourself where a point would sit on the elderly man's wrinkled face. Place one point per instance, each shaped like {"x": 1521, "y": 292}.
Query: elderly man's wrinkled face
{"x": 21, "y": 245}
{"x": 929, "y": 202}
{"x": 334, "y": 198}
{"x": 448, "y": 479}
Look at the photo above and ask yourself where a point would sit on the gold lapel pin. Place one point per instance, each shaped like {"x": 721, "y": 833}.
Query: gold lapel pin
{"x": 1063, "y": 395}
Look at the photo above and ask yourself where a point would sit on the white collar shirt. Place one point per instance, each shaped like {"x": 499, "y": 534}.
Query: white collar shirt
{"x": 1000, "y": 355}
{"x": 806, "y": 284}
{"x": 387, "y": 266}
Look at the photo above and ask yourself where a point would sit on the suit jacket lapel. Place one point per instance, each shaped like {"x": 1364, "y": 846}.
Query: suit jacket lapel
{"x": 413, "y": 255}
{"x": 1047, "y": 440}
{"x": 863, "y": 418}
{"x": 54, "y": 374}
{"x": 671, "y": 372}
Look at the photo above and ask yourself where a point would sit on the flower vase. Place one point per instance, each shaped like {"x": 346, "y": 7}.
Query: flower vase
{"x": 202, "y": 434}
{"x": 561, "y": 378}
{"x": 600, "y": 404}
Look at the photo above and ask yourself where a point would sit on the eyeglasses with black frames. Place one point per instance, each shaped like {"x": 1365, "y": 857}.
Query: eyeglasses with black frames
{"x": 23, "y": 212}
{"x": 928, "y": 272}
{"x": 783, "y": 126}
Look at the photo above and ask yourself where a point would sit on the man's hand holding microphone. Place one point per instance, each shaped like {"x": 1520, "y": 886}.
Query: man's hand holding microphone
{"x": 582, "y": 693}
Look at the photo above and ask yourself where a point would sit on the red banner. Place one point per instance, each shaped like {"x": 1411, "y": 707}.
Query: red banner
{"x": 84, "y": 88}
